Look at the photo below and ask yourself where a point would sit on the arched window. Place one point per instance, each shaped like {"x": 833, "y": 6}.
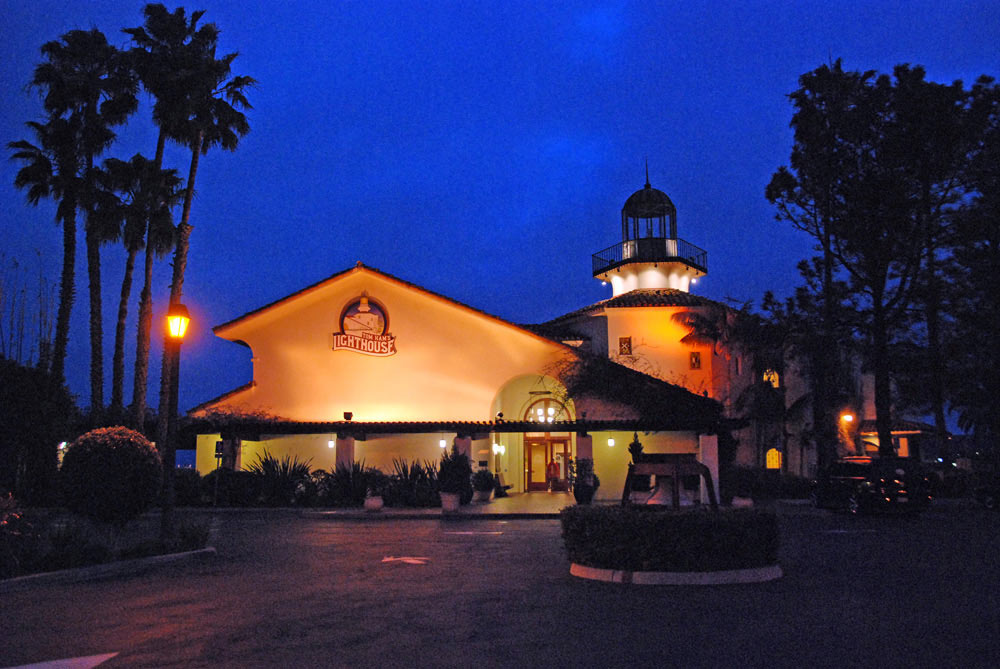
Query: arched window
{"x": 546, "y": 410}
{"x": 773, "y": 459}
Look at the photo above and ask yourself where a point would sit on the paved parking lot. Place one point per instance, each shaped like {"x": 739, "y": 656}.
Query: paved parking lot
{"x": 291, "y": 591}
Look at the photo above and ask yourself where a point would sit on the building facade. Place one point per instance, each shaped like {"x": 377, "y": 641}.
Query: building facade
{"x": 365, "y": 366}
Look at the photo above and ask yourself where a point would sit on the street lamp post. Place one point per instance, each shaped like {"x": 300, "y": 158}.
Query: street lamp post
{"x": 178, "y": 319}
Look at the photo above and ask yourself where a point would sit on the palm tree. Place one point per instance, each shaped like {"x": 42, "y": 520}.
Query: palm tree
{"x": 143, "y": 207}
{"x": 168, "y": 46}
{"x": 88, "y": 81}
{"x": 197, "y": 104}
{"x": 51, "y": 169}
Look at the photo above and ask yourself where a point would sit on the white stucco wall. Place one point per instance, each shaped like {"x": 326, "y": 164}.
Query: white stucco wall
{"x": 449, "y": 364}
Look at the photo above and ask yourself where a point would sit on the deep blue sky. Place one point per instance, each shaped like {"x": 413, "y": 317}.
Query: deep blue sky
{"x": 481, "y": 149}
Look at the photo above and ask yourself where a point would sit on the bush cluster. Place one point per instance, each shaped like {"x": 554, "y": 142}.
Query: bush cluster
{"x": 287, "y": 482}
{"x": 50, "y": 542}
{"x": 644, "y": 539}
{"x": 110, "y": 475}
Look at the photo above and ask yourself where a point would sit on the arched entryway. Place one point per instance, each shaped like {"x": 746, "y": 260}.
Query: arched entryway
{"x": 546, "y": 453}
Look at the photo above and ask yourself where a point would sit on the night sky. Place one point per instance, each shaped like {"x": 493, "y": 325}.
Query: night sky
{"x": 480, "y": 149}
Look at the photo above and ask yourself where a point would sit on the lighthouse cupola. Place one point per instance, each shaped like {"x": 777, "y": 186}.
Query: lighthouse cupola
{"x": 650, "y": 254}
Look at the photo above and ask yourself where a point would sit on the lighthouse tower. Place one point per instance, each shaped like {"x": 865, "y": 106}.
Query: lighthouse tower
{"x": 650, "y": 254}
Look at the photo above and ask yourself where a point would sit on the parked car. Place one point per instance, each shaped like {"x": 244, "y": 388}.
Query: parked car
{"x": 867, "y": 484}
{"x": 988, "y": 493}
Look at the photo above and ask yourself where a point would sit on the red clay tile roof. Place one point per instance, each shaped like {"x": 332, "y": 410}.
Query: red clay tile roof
{"x": 641, "y": 297}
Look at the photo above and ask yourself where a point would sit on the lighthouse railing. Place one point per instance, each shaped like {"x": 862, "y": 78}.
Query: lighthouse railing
{"x": 650, "y": 249}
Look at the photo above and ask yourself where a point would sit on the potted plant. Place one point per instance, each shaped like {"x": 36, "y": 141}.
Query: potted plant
{"x": 483, "y": 483}
{"x": 585, "y": 481}
{"x": 373, "y": 498}
{"x": 454, "y": 473}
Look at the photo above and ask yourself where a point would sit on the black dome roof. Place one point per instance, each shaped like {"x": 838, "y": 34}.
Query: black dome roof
{"x": 648, "y": 202}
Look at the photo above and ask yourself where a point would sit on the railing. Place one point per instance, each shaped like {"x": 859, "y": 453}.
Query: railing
{"x": 650, "y": 249}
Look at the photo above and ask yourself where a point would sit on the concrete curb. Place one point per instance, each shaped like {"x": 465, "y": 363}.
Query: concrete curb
{"x": 98, "y": 571}
{"x": 758, "y": 575}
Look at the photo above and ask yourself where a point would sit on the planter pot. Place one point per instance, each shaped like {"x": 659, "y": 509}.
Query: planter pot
{"x": 374, "y": 503}
{"x": 482, "y": 496}
{"x": 583, "y": 493}
{"x": 450, "y": 502}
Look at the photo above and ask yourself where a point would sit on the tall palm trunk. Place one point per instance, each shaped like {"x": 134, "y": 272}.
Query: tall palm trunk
{"x": 96, "y": 331}
{"x": 164, "y": 439}
{"x": 141, "y": 379}
{"x": 118, "y": 359}
{"x": 66, "y": 295}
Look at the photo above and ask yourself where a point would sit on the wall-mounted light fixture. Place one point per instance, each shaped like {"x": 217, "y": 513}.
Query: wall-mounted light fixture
{"x": 442, "y": 443}
{"x": 611, "y": 442}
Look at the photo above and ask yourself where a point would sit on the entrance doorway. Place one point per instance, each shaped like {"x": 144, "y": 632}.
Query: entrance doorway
{"x": 539, "y": 453}
{"x": 546, "y": 456}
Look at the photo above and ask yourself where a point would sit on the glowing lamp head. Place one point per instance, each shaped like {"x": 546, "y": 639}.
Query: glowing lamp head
{"x": 178, "y": 319}
{"x": 611, "y": 443}
{"x": 442, "y": 443}
{"x": 847, "y": 418}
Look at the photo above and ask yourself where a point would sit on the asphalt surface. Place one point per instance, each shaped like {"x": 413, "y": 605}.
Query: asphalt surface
{"x": 289, "y": 591}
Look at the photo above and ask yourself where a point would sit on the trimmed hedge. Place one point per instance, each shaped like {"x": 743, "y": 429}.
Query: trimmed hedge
{"x": 643, "y": 539}
{"x": 110, "y": 475}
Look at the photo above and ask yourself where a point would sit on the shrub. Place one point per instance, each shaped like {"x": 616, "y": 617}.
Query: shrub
{"x": 278, "y": 480}
{"x": 227, "y": 487}
{"x": 74, "y": 545}
{"x": 36, "y": 415}
{"x": 643, "y": 539}
{"x": 19, "y": 542}
{"x": 348, "y": 486}
{"x": 188, "y": 487}
{"x": 412, "y": 485}
{"x": 192, "y": 535}
{"x": 455, "y": 473}
{"x": 110, "y": 475}
{"x": 483, "y": 480}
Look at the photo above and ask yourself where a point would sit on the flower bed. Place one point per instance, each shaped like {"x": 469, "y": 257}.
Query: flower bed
{"x": 642, "y": 539}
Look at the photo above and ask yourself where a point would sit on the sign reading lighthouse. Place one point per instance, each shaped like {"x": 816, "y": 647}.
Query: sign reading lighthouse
{"x": 363, "y": 329}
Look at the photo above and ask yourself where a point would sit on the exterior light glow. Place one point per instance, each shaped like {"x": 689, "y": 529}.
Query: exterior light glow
{"x": 847, "y": 418}
{"x": 177, "y": 320}
{"x": 331, "y": 443}
{"x": 503, "y": 449}
{"x": 611, "y": 442}
{"x": 496, "y": 448}
{"x": 441, "y": 443}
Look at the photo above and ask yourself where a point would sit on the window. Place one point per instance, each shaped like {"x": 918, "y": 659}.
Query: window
{"x": 771, "y": 376}
{"x": 624, "y": 346}
{"x": 696, "y": 360}
{"x": 546, "y": 411}
{"x": 773, "y": 459}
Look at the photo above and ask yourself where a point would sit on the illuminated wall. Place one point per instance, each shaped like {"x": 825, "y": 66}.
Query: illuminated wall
{"x": 657, "y": 349}
{"x": 449, "y": 361}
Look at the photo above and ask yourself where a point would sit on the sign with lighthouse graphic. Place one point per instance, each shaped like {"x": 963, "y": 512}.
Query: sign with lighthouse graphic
{"x": 364, "y": 326}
